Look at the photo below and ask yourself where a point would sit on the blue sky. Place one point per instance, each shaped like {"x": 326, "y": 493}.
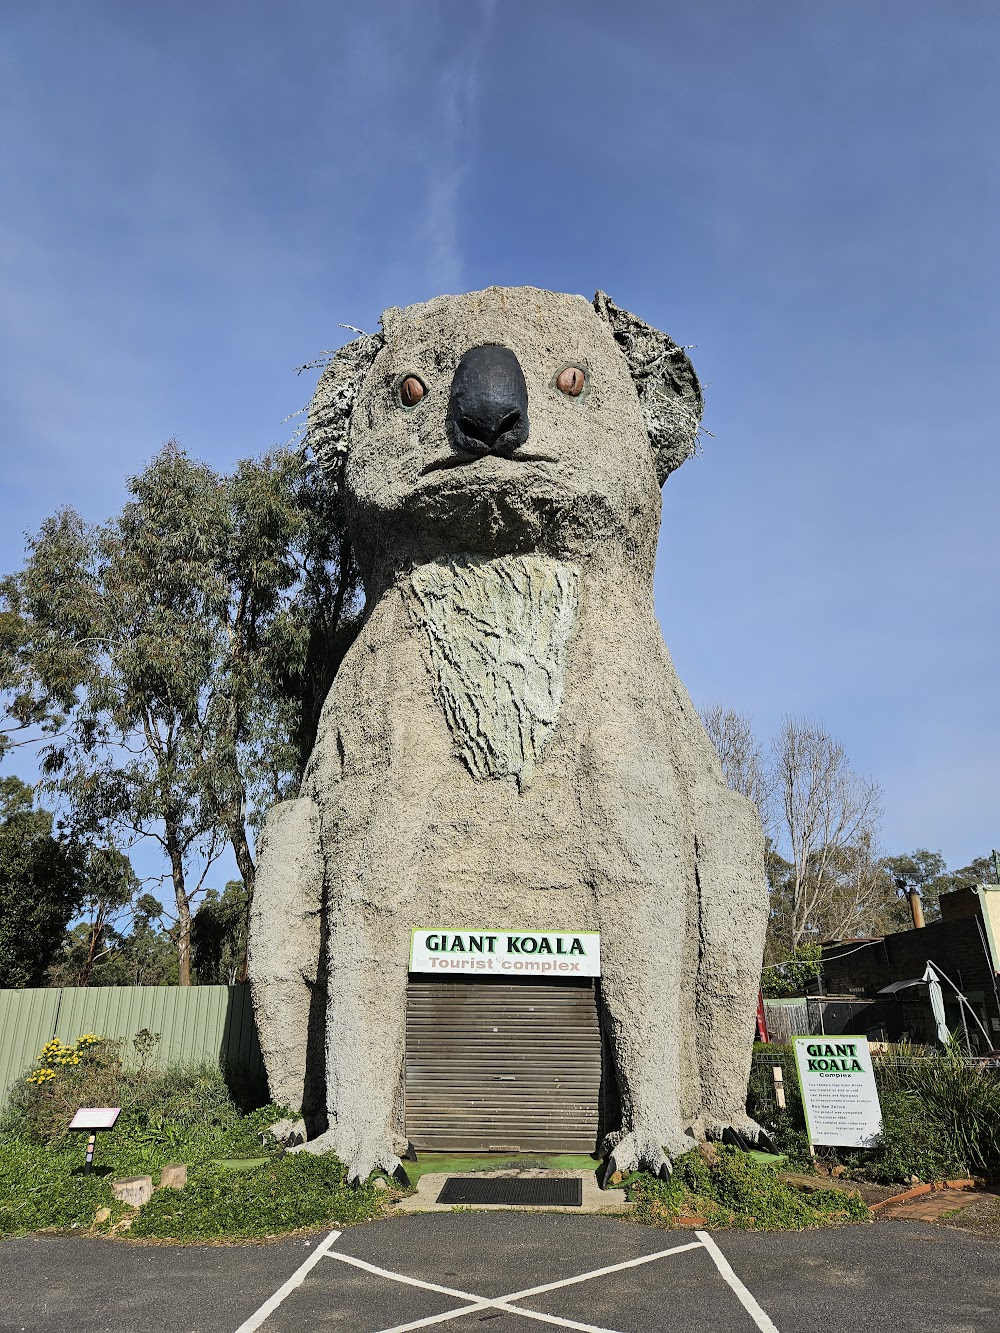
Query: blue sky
{"x": 198, "y": 195}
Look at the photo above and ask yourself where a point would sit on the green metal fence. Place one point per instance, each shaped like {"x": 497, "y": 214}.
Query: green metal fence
{"x": 196, "y": 1024}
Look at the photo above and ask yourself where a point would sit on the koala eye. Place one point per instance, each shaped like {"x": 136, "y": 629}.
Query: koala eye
{"x": 411, "y": 391}
{"x": 571, "y": 381}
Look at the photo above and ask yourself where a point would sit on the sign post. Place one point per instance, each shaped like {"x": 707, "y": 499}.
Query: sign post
{"x": 839, "y": 1095}
{"x": 92, "y": 1119}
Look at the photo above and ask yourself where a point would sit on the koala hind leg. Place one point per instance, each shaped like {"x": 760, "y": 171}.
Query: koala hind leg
{"x": 640, "y": 1006}
{"x": 732, "y": 919}
{"x": 288, "y": 960}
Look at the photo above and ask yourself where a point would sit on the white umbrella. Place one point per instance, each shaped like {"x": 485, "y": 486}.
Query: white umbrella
{"x": 937, "y": 1004}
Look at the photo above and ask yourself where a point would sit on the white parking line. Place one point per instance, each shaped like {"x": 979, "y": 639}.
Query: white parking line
{"x": 271, "y": 1304}
{"x": 433, "y": 1319}
{"x": 402, "y": 1277}
{"x": 473, "y": 1303}
{"x": 600, "y": 1272}
{"x": 748, "y": 1302}
{"x": 504, "y": 1303}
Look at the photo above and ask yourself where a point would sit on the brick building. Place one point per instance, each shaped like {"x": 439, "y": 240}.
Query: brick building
{"x": 862, "y": 990}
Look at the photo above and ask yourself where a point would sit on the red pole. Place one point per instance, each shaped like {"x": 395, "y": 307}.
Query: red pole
{"x": 762, "y": 1032}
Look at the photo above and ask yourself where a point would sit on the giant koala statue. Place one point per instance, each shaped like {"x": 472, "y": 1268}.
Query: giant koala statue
{"x": 507, "y": 741}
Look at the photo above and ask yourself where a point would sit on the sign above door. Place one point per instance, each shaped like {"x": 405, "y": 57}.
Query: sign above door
{"x": 507, "y": 953}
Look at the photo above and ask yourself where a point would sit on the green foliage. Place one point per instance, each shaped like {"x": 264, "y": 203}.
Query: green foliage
{"x": 218, "y": 935}
{"x": 295, "y": 1191}
{"x": 41, "y": 1188}
{"x": 181, "y": 1115}
{"x": 41, "y": 879}
{"x": 942, "y": 1118}
{"x": 911, "y": 1145}
{"x": 187, "y": 1108}
{"x": 173, "y": 662}
{"x": 735, "y": 1190}
{"x": 980, "y": 870}
{"x": 792, "y": 974}
{"x": 940, "y": 1115}
{"x": 42, "y": 1184}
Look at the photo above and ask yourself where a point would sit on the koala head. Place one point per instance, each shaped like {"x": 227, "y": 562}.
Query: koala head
{"x": 510, "y": 420}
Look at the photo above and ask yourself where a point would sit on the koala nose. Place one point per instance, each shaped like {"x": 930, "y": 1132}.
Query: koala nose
{"x": 488, "y": 410}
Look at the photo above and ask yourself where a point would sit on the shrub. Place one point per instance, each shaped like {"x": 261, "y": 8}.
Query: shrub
{"x": 187, "y": 1108}
{"x": 940, "y": 1115}
{"x": 738, "y": 1191}
{"x": 182, "y": 1114}
{"x": 297, "y": 1190}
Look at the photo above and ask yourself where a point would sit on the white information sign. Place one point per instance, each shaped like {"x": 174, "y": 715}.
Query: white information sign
{"x": 507, "y": 953}
{"x": 95, "y": 1117}
{"x": 838, "y": 1090}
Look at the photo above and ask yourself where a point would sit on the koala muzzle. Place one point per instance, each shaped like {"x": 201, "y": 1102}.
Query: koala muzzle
{"x": 488, "y": 410}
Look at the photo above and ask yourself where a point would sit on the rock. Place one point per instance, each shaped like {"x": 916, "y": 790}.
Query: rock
{"x": 709, "y": 1152}
{"x": 380, "y": 1183}
{"x": 134, "y": 1190}
{"x": 174, "y": 1176}
{"x": 101, "y": 1216}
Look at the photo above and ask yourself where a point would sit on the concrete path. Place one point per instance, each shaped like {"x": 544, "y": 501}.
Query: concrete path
{"x": 595, "y": 1200}
{"x": 515, "y": 1271}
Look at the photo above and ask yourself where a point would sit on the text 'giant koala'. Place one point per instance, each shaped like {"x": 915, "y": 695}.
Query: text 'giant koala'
{"x": 507, "y": 741}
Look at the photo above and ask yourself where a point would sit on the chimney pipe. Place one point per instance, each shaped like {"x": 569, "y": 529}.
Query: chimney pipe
{"x": 916, "y": 907}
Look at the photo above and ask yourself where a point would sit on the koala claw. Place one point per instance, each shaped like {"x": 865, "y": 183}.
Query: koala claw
{"x": 645, "y": 1150}
{"x": 741, "y": 1131}
{"x": 361, "y": 1158}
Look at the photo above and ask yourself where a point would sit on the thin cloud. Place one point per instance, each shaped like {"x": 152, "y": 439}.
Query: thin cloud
{"x": 458, "y": 95}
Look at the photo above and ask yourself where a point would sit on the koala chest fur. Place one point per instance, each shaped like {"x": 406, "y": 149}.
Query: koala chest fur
{"x": 497, "y": 634}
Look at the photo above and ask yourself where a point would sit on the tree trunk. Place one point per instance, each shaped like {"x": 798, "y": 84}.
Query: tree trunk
{"x": 248, "y": 871}
{"x": 183, "y": 909}
{"x": 83, "y": 977}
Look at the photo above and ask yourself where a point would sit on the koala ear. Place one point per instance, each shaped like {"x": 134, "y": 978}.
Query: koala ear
{"x": 333, "y": 402}
{"x": 664, "y": 378}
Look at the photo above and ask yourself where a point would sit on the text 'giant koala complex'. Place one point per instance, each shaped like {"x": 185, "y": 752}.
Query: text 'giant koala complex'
{"x": 507, "y": 741}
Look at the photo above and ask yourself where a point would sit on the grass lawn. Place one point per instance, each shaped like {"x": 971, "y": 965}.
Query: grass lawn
{"x": 237, "y": 1188}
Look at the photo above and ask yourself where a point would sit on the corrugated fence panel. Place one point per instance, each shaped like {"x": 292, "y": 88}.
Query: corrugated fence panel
{"x": 27, "y": 1022}
{"x": 196, "y": 1025}
{"x": 787, "y": 1019}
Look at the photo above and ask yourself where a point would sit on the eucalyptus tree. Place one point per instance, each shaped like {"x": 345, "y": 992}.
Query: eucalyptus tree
{"x": 40, "y": 886}
{"x": 173, "y": 660}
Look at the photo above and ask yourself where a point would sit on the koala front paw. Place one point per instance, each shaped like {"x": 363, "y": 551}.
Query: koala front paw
{"x": 360, "y": 1156}
{"x": 740, "y": 1131}
{"x": 645, "y": 1150}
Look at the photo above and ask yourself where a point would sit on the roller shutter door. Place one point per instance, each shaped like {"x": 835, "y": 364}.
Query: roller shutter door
{"x": 491, "y": 1064}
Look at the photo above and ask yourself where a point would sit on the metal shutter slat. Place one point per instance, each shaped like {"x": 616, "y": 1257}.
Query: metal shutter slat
{"x": 548, "y": 1039}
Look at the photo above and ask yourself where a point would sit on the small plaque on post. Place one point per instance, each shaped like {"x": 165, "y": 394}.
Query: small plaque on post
{"x": 90, "y": 1119}
{"x": 95, "y": 1117}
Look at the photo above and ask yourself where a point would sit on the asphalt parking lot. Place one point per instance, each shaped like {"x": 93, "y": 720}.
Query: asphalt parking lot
{"x": 512, "y": 1270}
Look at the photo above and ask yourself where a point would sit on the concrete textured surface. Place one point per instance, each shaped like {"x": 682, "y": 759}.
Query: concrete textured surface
{"x": 457, "y": 783}
{"x": 884, "y": 1278}
{"x": 595, "y": 1200}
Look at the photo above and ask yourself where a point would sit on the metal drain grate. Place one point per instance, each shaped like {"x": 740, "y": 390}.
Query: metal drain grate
{"x": 538, "y": 1192}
